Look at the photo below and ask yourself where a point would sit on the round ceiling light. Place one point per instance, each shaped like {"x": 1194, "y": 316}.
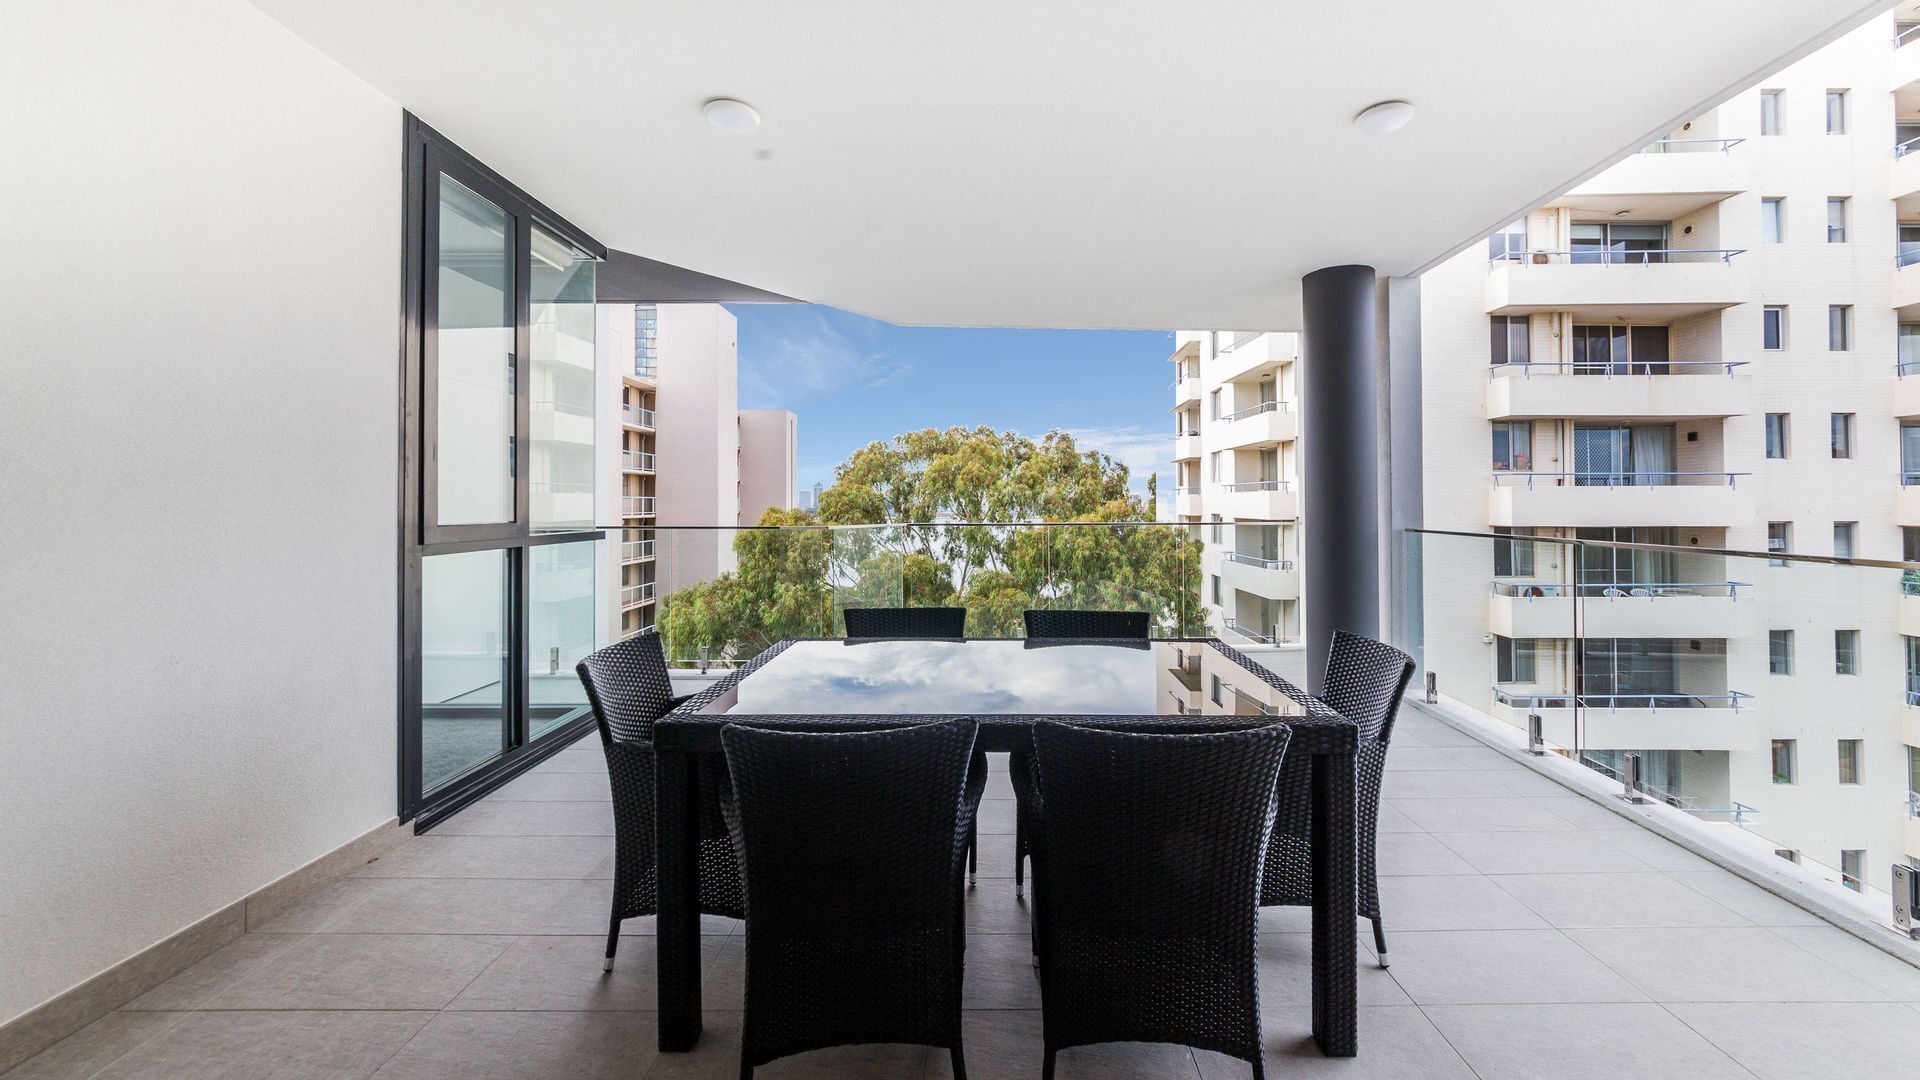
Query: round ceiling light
{"x": 1383, "y": 118}
{"x": 730, "y": 116}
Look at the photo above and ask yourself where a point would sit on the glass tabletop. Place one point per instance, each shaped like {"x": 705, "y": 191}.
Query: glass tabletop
{"x": 1018, "y": 677}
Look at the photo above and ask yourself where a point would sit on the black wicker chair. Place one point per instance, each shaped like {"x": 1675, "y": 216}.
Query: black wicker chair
{"x": 1044, "y": 623}
{"x": 1147, "y": 858}
{"x": 906, "y": 622}
{"x": 1365, "y": 681}
{"x": 852, "y": 847}
{"x": 628, "y": 687}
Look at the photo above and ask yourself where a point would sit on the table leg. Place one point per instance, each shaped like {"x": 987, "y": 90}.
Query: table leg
{"x": 1336, "y": 1019}
{"x": 678, "y": 929}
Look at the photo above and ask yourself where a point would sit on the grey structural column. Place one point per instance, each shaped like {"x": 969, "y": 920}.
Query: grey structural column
{"x": 1340, "y": 455}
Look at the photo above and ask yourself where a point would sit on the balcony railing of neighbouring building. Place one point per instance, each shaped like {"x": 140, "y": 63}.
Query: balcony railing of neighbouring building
{"x": 636, "y": 550}
{"x": 1630, "y": 478}
{"x": 1257, "y": 485}
{"x": 637, "y": 416}
{"x": 1528, "y": 699}
{"x": 1260, "y": 561}
{"x": 636, "y": 460}
{"x": 1620, "y": 589}
{"x": 1526, "y": 369}
{"x": 1257, "y": 410}
{"x": 636, "y": 505}
{"x": 1690, "y": 146}
{"x": 1618, "y": 256}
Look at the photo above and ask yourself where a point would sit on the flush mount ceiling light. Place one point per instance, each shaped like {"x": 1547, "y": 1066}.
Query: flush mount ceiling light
{"x": 1383, "y": 118}
{"x": 730, "y": 116}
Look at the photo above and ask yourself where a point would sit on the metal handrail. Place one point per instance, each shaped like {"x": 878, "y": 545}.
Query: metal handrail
{"x": 637, "y": 460}
{"x": 1613, "y": 257}
{"x": 1614, "y": 702}
{"x": 1690, "y": 145}
{"x": 1256, "y": 410}
{"x": 636, "y": 550}
{"x": 1256, "y": 560}
{"x": 1606, "y": 369}
{"x": 1904, "y": 368}
{"x": 1906, "y": 256}
{"x": 1906, "y": 35}
{"x": 640, "y": 505}
{"x": 1629, "y": 478}
{"x": 1909, "y": 479}
{"x": 635, "y": 595}
{"x": 1257, "y": 485}
{"x": 1913, "y": 804}
{"x": 1186, "y": 434}
{"x": 1237, "y": 342}
{"x": 634, "y": 414}
{"x": 1913, "y": 697}
{"x": 1616, "y": 590}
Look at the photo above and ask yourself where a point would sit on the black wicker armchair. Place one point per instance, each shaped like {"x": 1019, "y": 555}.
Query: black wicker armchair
{"x": 1061, "y": 623}
{"x": 906, "y": 622}
{"x": 855, "y": 924}
{"x": 1365, "y": 681}
{"x": 1148, "y": 851}
{"x": 628, "y": 687}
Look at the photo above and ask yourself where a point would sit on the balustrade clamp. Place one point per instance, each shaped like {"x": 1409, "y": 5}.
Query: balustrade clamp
{"x": 1906, "y": 900}
{"x": 1433, "y": 689}
{"x": 1630, "y": 779}
{"x": 1536, "y": 744}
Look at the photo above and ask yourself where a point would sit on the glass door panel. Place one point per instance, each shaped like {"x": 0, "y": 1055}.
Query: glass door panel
{"x": 474, "y": 317}
{"x": 465, "y": 714}
{"x": 561, "y": 371}
{"x": 560, "y": 627}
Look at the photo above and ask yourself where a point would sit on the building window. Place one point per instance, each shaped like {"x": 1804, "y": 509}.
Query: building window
{"x": 1784, "y": 765}
{"x": 1511, "y": 344}
{"x": 1513, "y": 558}
{"x": 1218, "y": 527}
{"x": 1836, "y": 112}
{"x": 1215, "y": 689}
{"x": 1773, "y": 327}
{"x": 1853, "y": 868}
{"x": 1788, "y": 854}
{"x": 1779, "y": 652}
{"x": 1513, "y": 446}
{"x": 1844, "y": 534}
{"x": 1773, "y": 215}
{"x": 1837, "y": 220}
{"x": 1509, "y": 242}
{"x": 1842, "y": 434}
{"x": 1213, "y": 463}
{"x": 1513, "y": 660}
{"x": 1769, "y": 112}
{"x": 1777, "y": 435}
{"x": 1779, "y": 540}
{"x": 1213, "y": 402}
{"x": 1846, "y": 652}
{"x": 1839, "y": 327}
{"x": 1850, "y": 751}
{"x": 1216, "y": 590}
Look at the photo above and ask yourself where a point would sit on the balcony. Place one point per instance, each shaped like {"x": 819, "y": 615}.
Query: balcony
{"x": 1906, "y": 391}
{"x": 1906, "y": 285}
{"x": 633, "y": 551}
{"x": 1529, "y": 609}
{"x": 634, "y": 416}
{"x": 1906, "y": 501}
{"x": 1678, "y": 389}
{"x": 1910, "y": 719}
{"x": 1633, "y": 722}
{"x": 1238, "y": 631}
{"x": 1188, "y": 502}
{"x": 636, "y": 461}
{"x": 1597, "y": 285}
{"x": 636, "y": 505}
{"x": 1261, "y": 354}
{"x": 1274, "y": 579}
{"x": 1904, "y": 71}
{"x": 1669, "y": 178}
{"x": 1903, "y": 178}
{"x": 1260, "y": 500}
{"x": 632, "y": 596}
{"x": 1266, "y": 424}
{"x": 1186, "y": 384}
{"x": 1186, "y": 446}
{"x": 1702, "y": 499}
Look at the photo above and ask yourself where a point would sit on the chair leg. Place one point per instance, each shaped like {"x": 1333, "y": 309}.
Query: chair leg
{"x": 613, "y": 942}
{"x": 1380, "y": 941}
{"x": 746, "y": 1071}
{"x": 959, "y": 1063}
{"x": 1019, "y": 859}
{"x": 973, "y": 854}
{"x": 1046, "y": 1066}
{"x": 1259, "y": 1066}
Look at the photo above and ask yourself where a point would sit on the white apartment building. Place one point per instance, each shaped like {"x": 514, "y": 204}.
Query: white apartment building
{"x": 1702, "y": 346}
{"x": 685, "y": 454}
{"x": 1236, "y": 473}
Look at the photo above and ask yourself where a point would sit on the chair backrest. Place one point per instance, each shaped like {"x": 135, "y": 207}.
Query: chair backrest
{"x": 850, "y": 834}
{"x": 1365, "y": 681}
{"x": 1151, "y": 836}
{"x": 628, "y": 687}
{"x": 1063, "y": 623}
{"x": 906, "y": 622}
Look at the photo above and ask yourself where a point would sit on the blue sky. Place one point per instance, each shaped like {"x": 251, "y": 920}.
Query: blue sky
{"x": 853, "y": 380}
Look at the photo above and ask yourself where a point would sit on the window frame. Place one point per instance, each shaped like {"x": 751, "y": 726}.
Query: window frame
{"x": 1840, "y": 434}
{"x": 1788, "y": 749}
{"x": 1772, "y": 112}
{"x": 426, "y": 156}
{"x": 1846, "y": 652}
{"x": 1850, "y": 762}
{"x": 1779, "y": 435}
{"x": 1839, "y": 327}
{"x": 1837, "y": 119}
{"x": 1777, "y": 313}
{"x": 1773, "y": 217}
{"x": 1845, "y": 228}
{"x": 1779, "y": 652}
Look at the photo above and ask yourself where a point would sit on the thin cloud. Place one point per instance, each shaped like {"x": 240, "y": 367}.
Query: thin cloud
{"x": 1143, "y": 452}
{"x": 820, "y": 356}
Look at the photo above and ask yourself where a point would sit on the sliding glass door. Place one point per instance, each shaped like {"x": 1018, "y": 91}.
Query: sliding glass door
{"x": 498, "y": 546}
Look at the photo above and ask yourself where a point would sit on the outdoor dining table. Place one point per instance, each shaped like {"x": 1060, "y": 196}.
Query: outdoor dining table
{"x": 1007, "y": 685}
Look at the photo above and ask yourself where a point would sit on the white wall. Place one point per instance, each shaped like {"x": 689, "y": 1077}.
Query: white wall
{"x": 198, "y": 503}
{"x": 699, "y": 441}
{"x": 768, "y": 439}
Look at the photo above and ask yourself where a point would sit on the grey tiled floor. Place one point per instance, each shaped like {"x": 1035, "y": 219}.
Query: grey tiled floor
{"x": 1533, "y": 934}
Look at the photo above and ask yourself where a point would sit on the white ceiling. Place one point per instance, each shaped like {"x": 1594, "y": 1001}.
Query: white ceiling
{"x": 1127, "y": 163}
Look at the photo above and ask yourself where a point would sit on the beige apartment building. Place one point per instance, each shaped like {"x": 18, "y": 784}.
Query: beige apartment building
{"x": 1236, "y": 474}
{"x": 1713, "y": 344}
{"x": 686, "y": 455}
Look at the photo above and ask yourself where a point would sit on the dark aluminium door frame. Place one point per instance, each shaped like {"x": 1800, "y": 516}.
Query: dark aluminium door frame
{"x": 427, "y": 155}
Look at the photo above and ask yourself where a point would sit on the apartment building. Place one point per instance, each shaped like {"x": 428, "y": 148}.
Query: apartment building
{"x": 1235, "y": 473}
{"x": 1713, "y": 344}
{"x": 688, "y": 464}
